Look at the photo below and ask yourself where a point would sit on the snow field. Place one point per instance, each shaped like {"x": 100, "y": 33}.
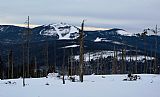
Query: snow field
{"x": 93, "y": 86}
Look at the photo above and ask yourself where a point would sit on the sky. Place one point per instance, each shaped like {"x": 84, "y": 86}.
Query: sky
{"x": 131, "y": 15}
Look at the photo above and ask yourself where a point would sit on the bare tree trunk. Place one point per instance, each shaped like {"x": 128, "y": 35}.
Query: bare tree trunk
{"x": 130, "y": 59}
{"x": 114, "y": 62}
{"x": 150, "y": 68}
{"x": 81, "y": 63}
{"x": 8, "y": 76}
{"x": 12, "y": 67}
{"x": 143, "y": 35}
{"x": 63, "y": 67}
{"x": 69, "y": 66}
{"x": 98, "y": 64}
{"x": 26, "y": 52}
{"x": 155, "y": 62}
{"x": 123, "y": 68}
{"x": 71, "y": 61}
{"x": 136, "y": 61}
{"x": 10, "y": 64}
{"x": 46, "y": 58}
{"x": 23, "y": 56}
{"x": 28, "y": 55}
{"x": 35, "y": 68}
{"x": 55, "y": 56}
{"x": 144, "y": 71}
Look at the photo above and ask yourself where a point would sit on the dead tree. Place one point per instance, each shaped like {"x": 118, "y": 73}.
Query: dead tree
{"x": 63, "y": 69}
{"x": 55, "y": 57}
{"x": 46, "y": 58}
{"x": 10, "y": 64}
{"x": 26, "y": 46}
{"x": 71, "y": 61}
{"x": 26, "y": 52}
{"x": 114, "y": 62}
{"x": 81, "y": 57}
{"x": 8, "y": 68}
{"x": 35, "y": 66}
{"x": 98, "y": 63}
{"x": 136, "y": 60}
{"x": 155, "y": 62}
{"x": 23, "y": 62}
{"x": 150, "y": 67}
{"x": 123, "y": 65}
{"x": 143, "y": 35}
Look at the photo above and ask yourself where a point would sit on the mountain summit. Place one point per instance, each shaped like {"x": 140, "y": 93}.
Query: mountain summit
{"x": 62, "y": 31}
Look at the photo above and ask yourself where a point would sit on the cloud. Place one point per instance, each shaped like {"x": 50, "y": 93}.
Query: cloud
{"x": 128, "y": 14}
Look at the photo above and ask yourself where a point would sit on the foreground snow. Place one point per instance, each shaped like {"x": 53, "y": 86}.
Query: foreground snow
{"x": 93, "y": 86}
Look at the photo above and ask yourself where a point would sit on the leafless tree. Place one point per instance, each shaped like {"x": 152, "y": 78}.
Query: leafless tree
{"x": 81, "y": 57}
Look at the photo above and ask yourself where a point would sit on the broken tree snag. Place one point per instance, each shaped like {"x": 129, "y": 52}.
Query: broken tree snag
{"x": 81, "y": 57}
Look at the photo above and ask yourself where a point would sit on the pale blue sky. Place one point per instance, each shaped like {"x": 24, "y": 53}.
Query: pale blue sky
{"x": 132, "y": 15}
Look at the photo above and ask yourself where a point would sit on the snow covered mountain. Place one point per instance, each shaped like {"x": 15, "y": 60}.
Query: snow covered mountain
{"x": 123, "y": 32}
{"x": 66, "y": 36}
{"x": 62, "y": 30}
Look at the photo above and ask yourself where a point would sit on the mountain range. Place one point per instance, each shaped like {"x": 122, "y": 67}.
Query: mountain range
{"x": 61, "y": 36}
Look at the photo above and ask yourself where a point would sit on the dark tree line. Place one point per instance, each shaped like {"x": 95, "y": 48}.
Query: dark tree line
{"x": 116, "y": 64}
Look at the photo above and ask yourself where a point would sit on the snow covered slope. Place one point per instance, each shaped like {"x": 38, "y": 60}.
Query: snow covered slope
{"x": 105, "y": 54}
{"x": 125, "y": 33}
{"x": 93, "y": 86}
{"x": 62, "y": 30}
